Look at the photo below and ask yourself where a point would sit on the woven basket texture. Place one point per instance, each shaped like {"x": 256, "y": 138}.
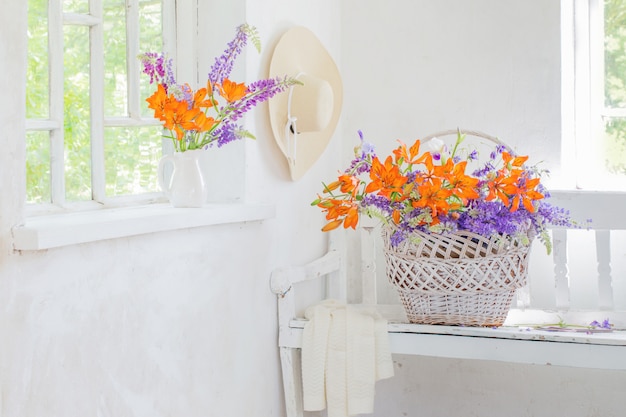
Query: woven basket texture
{"x": 456, "y": 278}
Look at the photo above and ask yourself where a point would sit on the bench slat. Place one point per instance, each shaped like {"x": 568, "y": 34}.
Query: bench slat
{"x": 603, "y": 253}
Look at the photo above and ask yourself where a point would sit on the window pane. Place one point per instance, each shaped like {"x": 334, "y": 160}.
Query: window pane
{"x": 615, "y": 53}
{"x": 150, "y": 39}
{"x": 132, "y": 156}
{"x": 615, "y": 145}
{"x": 76, "y": 118}
{"x": 38, "y": 167}
{"x": 37, "y": 70}
{"x": 76, "y": 6}
{"x": 115, "y": 80}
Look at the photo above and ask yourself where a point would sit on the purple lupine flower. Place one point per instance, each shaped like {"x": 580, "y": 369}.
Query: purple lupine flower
{"x": 604, "y": 325}
{"x": 377, "y": 202}
{"x": 482, "y": 172}
{"x": 225, "y": 134}
{"x": 158, "y": 68}
{"x": 397, "y": 237}
{"x": 224, "y": 64}
{"x": 258, "y": 92}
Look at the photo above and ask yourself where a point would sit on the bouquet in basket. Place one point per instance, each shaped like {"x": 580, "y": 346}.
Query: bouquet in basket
{"x": 429, "y": 187}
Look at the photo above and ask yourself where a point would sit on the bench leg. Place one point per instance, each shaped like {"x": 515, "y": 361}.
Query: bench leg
{"x": 292, "y": 381}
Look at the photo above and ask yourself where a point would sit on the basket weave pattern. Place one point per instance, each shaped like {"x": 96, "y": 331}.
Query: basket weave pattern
{"x": 457, "y": 278}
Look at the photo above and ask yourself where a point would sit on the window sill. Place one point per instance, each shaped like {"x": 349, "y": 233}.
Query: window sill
{"x": 51, "y": 231}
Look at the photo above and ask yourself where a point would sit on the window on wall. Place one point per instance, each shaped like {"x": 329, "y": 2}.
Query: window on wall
{"x": 90, "y": 136}
{"x": 594, "y": 33}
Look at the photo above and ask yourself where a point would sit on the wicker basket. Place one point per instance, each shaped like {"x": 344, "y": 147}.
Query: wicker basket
{"x": 456, "y": 278}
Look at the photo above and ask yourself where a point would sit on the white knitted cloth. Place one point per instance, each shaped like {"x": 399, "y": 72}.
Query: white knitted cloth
{"x": 345, "y": 350}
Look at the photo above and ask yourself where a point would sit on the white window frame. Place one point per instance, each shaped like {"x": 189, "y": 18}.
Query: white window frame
{"x": 583, "y": 97}
{"x": 57, "y": 19}
{"x": 62, "y": 224}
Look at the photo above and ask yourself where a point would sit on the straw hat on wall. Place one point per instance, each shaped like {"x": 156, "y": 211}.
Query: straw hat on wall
{"x": 304, "y": 118}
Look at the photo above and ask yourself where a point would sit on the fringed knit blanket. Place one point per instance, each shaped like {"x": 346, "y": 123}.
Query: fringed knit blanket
{"x": 345, "y": 350}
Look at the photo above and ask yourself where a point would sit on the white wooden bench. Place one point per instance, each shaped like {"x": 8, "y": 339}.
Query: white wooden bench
{"x": 349, "y": 273}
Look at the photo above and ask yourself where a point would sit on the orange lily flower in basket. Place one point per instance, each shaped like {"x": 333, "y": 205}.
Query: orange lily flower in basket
{"x": 433, "y": 196}
{"x": 409, "y": 157}
{"x": 386, "y": 179}
{"x": 463, "y": 186}
{"x": 434, "y": 172}
{"x": 513, "y": 161}
{"x": 523, "y": 190}
{"x": 340, "y": 211}
{"x": 498, "y": 186}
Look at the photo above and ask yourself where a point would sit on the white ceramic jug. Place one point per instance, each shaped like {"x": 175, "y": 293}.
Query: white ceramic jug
{"x": 185, "y": 187}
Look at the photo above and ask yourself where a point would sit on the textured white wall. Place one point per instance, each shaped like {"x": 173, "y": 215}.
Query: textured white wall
{"x": 415, "y": 67}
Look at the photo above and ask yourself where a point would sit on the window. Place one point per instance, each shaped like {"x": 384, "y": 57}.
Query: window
{"x": 90, "y": 136}
{"x": 594, "y": 90}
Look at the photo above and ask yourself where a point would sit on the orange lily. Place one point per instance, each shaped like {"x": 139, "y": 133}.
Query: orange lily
{"x": 433, "y": 196}
{"x": 386, "y": 179}
{"x": 511, "y": 161}
{"x": 409, "y": 157}
{"x": 158, "y": 101}
{"x": 178, "y": 115}
{"x": 340, "y": 211}
{"x": 523, "y": 190}
{"x": 203, "y": 123}
{"x": 232, "y": 91}
{"x": 463, "y": 186}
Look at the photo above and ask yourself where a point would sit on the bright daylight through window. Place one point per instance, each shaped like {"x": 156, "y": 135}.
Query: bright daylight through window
{"x": 595, "y": 31}
{"x": 90, "y": 135}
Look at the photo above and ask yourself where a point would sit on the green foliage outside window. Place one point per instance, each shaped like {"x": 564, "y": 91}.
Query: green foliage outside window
{"x": 615, "y": 83}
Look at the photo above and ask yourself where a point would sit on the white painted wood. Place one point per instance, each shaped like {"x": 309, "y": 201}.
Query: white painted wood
{"x": 559, "y": 243}
{"x": 42, "y": 124}
{"x": 56, "y": 111}
{"x": 291, "y": 375}
{"x": 96, "y": 101}
{"x": 130, "y": 122}
{"x": 132, "y": 50}
{"x": 80, "y": 19}
{"x": 368, "y": 266}
{"x": 45, "y": 232}
{"x": 603, "y": 254}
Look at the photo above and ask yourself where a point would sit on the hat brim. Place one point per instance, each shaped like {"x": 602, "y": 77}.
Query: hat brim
{"x": 300, "y": 51}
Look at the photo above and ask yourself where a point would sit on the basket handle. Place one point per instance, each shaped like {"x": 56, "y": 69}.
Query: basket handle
{"x": 468, "y": 132}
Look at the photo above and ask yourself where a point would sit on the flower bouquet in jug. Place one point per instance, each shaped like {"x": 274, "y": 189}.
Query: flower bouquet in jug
{"x": 200, "y": 118}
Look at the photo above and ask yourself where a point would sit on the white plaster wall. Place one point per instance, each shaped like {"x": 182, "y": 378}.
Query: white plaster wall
{"x": 414, "y": 67}
{"x": 166, "y": 324}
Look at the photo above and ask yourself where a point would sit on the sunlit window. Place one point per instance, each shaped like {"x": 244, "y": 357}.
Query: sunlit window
{"x": 594, "y": 66}
{"x": 89, "y": 134}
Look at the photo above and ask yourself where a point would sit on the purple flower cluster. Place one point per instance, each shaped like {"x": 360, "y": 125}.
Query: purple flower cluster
{"x": 258, "y": 92}
{"x": 488, "y": 217}
{"x": 604, "y": 325}
{"x": 158, "y": 68}
{"x": 364, "y": 153}
{"x": 225, "y": 134}
{"x": 224, "y": 64}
